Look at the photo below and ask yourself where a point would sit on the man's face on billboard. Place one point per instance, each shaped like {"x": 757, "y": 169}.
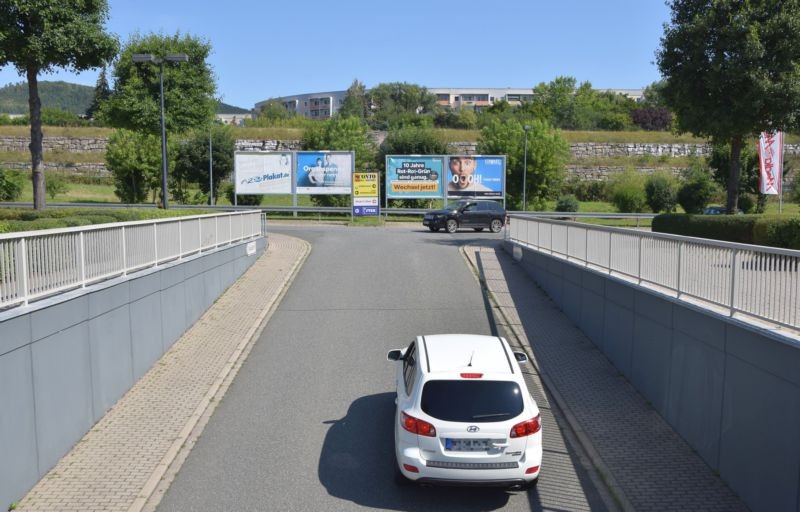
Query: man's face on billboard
{"x": 463, "y": 168}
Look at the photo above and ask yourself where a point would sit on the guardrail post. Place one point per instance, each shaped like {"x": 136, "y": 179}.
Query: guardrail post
{"x": 567, "y": 235}
{"x": 200, "y": 233}
{"x": 610, "y": 253}
{"x": 155, "y": 243}
{"x": 22, "y": 268}
{"x": 641, "y": 238}
{"x": 124, "y": 254}
{"x": 586, "y": 247}
{"x": 733, "y": 281}
{"x": 680, "y": 262}
{"x": 216, "y": 232}
{"x": 82, "y": 256}
{"x": 180, "y": 239}
{"x": 551, "y": 238}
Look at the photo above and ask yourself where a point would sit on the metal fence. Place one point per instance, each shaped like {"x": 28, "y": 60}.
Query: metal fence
{"x": 744, "y": 280}
{"x": 35, "y": 264}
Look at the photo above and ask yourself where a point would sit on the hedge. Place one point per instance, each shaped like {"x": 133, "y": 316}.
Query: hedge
{"x": 26, "y": 219}
{"x": 770, "y": 230}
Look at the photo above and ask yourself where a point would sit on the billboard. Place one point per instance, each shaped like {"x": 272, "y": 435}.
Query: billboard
{"x": 414, "y": 177}
{"x": 476, "y": 176}
{"x": 324, "y": 172}
{"x": 365, "y": 194}
{"x": 260, "y": 172}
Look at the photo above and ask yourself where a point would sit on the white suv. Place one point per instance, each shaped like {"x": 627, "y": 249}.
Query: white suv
{"x": 464, "y": 415}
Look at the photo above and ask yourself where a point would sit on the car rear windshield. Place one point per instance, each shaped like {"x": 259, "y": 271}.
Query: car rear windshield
{"x": 472, "y": 400}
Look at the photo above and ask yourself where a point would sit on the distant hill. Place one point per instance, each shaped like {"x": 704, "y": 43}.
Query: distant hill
{"x": 224, "y": 108}
{"x": 62, "y": 95}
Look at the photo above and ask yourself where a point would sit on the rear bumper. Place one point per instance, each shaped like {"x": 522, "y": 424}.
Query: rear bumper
{"x": 515, "y": 482}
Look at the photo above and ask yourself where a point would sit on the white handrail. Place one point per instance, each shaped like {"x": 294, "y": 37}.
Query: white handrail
{"x": 35, "y": 264}
{"x": 747, "y": 281}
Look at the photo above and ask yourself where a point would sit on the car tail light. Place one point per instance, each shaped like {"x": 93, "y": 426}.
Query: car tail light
{"x": 531, "y": 470}
{"x": 527, "y": 428}
{"x": 471, "y": 375}
{"x": 412, "y": 469}
{"x": 418, "y": 426}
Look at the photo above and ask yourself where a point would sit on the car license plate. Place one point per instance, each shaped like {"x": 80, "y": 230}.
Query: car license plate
{"x": 470, "y": 445}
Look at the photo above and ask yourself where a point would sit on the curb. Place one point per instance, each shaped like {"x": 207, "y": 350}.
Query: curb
{"x": 179, "y": 450}
{"x": 600, "y": 466}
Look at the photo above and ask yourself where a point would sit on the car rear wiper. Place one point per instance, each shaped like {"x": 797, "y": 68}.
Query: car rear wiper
{"x": 477, "y": 416}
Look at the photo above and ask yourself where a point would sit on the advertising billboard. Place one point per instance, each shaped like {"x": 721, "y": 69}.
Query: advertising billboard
{"x": 324, "y": 172}
{"x": 476, "y": 176}
{"x": 365, "y": 194}
{"x": 414, "y": 177}
{"x": 260, "y": 172}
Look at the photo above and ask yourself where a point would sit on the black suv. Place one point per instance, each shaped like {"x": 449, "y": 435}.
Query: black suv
{"x": 466, "y": 213}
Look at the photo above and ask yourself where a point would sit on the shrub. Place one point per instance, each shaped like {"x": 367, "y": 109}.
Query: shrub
{"x": 56, "y": 183}
{"x": 652, "y": 118}
{"x": 746, "y": 203}
{"x": 10, "y": 185}
{"x": 242, "y": 200}
{"x": 661, "y": 190}
{"x": 567, "y": 203}
{"x": 587, "y": 190}
{"x": 770, "y": 230}
{"x": 697, "y": 190}
{"x": 627, "y": 191}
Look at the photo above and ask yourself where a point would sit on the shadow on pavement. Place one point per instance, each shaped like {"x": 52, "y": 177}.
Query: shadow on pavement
{"x": 357, "y": 465}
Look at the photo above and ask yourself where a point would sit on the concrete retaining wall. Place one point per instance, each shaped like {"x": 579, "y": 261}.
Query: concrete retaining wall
{"x": 730, "y": 390}
{"x": 65, "y": 361}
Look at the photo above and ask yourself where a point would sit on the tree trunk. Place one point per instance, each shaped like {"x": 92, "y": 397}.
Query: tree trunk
{"x": 37, "y": 174}
{"x": 734, "y": 175}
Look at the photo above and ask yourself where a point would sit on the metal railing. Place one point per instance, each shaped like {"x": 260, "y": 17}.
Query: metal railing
{"x": 744, "y": 280}
{"x": 36, "y": 264}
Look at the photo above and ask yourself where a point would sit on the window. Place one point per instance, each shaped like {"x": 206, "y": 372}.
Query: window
{"x": 409, "y": 367}
{"x": 474, "y": 401}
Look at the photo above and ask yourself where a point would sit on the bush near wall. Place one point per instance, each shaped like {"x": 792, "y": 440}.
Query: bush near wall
{"x": 26, "y": 219}
{"x": 770, "y": 230}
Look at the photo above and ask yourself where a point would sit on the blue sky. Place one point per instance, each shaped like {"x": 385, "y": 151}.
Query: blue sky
{"x": 264, "y": 49}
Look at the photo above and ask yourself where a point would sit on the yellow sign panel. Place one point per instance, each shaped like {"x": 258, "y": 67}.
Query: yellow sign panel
{"x": 365, "y": 184}
{"x": 415, "y": 186}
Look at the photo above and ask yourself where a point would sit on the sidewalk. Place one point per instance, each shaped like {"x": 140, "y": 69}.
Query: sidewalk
{"x": 120, "y": 461}
{"x": 644, "y": 462}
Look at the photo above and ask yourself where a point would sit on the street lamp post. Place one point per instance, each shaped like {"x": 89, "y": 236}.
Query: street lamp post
{"x": 525, "y": 171}
{"x": 172, "y": 57}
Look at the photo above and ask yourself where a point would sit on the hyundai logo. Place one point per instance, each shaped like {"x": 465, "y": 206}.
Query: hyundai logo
{"x": 472, "y": 428}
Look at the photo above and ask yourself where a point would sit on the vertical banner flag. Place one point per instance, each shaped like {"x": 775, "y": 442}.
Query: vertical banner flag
{"x": 324, "y": 172}
{"x": 476, "y": 176}
{"x": 414, "y": 177}
{"x": 770, "y": 157}
{"x": 366, "y": 202}
{"x": 260, "y": 172}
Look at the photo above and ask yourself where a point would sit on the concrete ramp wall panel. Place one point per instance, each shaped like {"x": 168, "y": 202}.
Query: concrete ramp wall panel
{"x": 730, "y": 390}
{"x": 66, "y": 360}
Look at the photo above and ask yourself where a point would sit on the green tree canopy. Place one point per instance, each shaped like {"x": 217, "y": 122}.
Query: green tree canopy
{"x": 189, "y": 87}
{"x": 547, "y": 154}
{"x": 398, "y": 103}
{"x": 37, "y": 36}
{"x": 731, "y": 70}
{"x": 134, "y": 158}
{"x": 192, "y": 164}
{"x": 343, "y": 134}
{"x": 102, "y": 92}
{"x": 355, "y": 103}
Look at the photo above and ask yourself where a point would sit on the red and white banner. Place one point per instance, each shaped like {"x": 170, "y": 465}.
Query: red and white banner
{"x": 770, "y": 156}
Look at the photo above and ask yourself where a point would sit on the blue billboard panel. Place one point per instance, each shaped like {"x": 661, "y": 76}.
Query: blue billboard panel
{"x": 476, "y": 176}
{"x": 414, "y": 177}
{"x": 324, "y": 172}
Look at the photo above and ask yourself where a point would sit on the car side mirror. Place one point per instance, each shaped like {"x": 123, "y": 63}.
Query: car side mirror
{"x": 395, "y": 355}
{"x": 521, "y": 357}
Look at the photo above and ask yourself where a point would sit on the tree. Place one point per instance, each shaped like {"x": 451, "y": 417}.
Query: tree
{"x": 101, "y": 93}
{"x": 37, "y": 36}
{"x": 731, "y": 70}
{"x": 355, "y": 102}
{"x": 396, "y": 104}
{"x": 191, "y": 161}
{"x": 189, "y": 87}
{"x": 134, "y": 158}
{"x": 344, "y": 134}
{"x": 547, "y": 154}
{"x": 556, "y": 101}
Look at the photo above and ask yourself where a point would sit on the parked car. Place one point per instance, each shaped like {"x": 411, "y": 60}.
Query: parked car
{"x": 467, "y": 213}
{"x": 719, "y": 210}
{"x": 464, "y": 415}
